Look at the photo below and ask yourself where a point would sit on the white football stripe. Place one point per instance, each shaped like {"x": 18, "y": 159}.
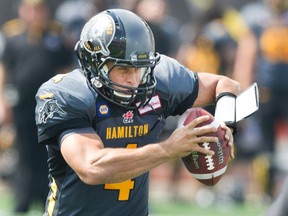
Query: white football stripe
{"x": 209, "y": 175}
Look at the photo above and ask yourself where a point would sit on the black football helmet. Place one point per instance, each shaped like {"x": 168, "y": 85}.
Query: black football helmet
{"x": 121, "y": 37}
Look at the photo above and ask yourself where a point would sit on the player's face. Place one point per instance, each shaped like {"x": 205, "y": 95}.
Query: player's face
{"x": 36, "y": 16}
{"x": 127, "y": 76}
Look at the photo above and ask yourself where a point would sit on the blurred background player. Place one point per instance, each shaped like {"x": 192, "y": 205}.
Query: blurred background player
{"x": 33, "y": 53}
{"x": 263, "y": 57}
{"x": 165, "y": 27}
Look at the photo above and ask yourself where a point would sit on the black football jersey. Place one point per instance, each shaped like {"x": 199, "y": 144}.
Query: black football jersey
{"x": 68, "y": 102}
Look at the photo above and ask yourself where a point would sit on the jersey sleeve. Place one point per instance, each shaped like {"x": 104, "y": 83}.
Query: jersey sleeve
{"x": 65, "y": 102}
{"x": 176, "y": 84}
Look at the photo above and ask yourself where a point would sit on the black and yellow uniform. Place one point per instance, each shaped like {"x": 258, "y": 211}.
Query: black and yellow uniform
{"x": 67, "y": 104}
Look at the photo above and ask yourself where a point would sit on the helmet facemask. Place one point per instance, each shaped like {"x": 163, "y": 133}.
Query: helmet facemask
{"x": 126, "y": 96}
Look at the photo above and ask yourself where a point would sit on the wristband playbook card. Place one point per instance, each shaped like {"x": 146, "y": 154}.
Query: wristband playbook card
{"x": 232, "y": 109}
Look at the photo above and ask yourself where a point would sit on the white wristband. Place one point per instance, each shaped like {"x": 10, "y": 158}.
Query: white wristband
{"x": 226, "y": 108}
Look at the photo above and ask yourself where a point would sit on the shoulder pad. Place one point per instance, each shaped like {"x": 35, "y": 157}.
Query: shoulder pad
{"x": 13, "y": 27}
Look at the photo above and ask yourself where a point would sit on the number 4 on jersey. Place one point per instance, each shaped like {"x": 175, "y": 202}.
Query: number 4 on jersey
{"x": 123, "y": 187}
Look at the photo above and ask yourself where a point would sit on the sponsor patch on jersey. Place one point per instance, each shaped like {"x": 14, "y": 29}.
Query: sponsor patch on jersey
{"x": 128, "y": 117}
{"x": 153, "y": 104}
{"x": 103, "y": 110}
{"x": 49, "y": 109}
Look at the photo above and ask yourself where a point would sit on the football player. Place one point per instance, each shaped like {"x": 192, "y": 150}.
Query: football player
{"x": 262, "y": 57}
{"x": 100, "y": 123}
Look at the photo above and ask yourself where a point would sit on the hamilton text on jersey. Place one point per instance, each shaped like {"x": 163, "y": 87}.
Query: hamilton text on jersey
{"x": 126, "y": 131}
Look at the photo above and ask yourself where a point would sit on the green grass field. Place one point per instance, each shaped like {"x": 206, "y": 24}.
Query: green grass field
{"x": 185, "y": 209}
{"x": 156, "y": 208}
{"x": 6, "y": 207}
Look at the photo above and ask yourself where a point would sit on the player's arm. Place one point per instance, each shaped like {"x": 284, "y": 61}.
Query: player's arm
{"x": 4, "y": 108}
{"x": 2, "y": 114}
{"x": 94, "y": 164}
{"x": 210, "y": 86}
{"x": 245, "y": 60}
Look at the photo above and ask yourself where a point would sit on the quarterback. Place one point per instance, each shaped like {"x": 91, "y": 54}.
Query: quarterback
{"x": 100, "y": 122}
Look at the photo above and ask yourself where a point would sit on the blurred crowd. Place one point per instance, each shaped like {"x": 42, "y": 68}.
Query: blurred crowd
{"x": 246, "y": 40}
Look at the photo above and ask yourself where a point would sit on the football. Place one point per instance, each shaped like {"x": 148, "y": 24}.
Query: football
{"x": 207, "y": 169}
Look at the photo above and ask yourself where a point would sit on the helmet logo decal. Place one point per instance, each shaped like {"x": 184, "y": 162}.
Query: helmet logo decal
{"x": 128, "y": 117}
{"x": 48, "y": 110}
{"x": 98, "y": 33}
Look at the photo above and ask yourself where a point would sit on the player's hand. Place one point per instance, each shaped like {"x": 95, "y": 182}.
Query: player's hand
{"x": 229, "y": 137}
{"x": 185, "y": 140}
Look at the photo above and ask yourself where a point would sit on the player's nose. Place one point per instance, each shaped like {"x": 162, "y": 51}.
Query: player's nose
{"x": 133, "y": 77}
